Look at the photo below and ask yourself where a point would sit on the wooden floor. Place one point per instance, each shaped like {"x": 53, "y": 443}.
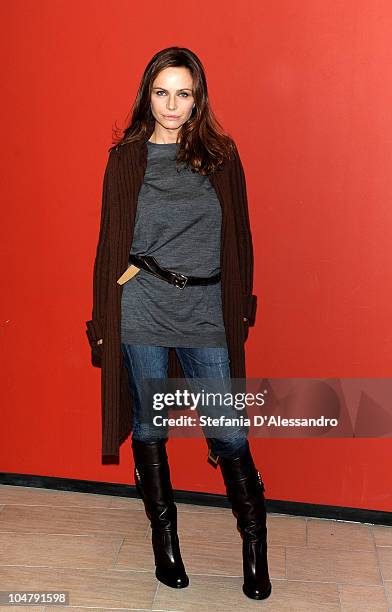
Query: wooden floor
{"x": 98, "y": 548}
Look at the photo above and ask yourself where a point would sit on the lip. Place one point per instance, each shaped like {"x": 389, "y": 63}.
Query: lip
{"x": 171, "y": 116}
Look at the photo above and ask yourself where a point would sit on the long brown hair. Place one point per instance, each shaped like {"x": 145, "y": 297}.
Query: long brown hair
{"x": 203, "y": 143}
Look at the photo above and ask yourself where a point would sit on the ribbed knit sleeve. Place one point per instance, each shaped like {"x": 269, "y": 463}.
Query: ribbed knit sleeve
{"x": 95, "y": 326}
{"x": 245, "y": 247}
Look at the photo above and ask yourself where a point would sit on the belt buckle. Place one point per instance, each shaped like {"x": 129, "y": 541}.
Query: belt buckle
{"x": 180, "y": 278}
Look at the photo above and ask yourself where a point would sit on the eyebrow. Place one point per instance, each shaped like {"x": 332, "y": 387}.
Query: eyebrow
{"x": 183, "y": 89}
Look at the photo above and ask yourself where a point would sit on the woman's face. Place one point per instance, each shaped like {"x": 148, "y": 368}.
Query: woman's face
{"x": 172, "y": 98}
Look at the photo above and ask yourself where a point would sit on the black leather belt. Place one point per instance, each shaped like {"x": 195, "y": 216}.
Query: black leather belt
{"x": 150, "y": 264}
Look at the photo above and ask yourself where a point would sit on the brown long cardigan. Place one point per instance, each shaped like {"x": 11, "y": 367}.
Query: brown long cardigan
{"x": 122, "y": 181}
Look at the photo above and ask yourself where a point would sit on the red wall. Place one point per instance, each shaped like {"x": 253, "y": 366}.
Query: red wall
{"x": 304, "y": 87}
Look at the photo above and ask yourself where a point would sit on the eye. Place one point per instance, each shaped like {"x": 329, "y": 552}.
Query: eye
{"x": 183, "y": 93}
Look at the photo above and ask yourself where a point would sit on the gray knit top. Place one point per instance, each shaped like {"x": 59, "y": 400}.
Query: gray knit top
{"x": 178, "y": 221}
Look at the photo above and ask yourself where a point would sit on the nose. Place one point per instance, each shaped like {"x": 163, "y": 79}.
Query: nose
{"x": 171, "y": 102}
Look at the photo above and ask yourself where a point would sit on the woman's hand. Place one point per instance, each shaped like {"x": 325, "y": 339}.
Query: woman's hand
{"x": 100, "y": 341}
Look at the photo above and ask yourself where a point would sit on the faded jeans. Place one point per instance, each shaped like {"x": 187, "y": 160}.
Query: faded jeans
{"x": 147, "y": 361}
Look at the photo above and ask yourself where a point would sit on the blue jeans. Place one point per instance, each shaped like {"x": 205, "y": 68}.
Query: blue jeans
{"x": 146, "y": 361}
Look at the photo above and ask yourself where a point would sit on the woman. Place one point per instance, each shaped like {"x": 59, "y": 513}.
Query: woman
{"x": 173, "y": 288}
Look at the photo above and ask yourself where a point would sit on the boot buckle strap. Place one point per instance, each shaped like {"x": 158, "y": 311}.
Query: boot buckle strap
{"x": 260, "y": 480}
{"x": 212, "y": 458}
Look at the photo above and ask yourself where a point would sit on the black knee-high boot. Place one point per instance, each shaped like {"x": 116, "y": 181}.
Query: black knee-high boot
{"x": 152, "y": 478}
{"x": 245, "y": 491}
